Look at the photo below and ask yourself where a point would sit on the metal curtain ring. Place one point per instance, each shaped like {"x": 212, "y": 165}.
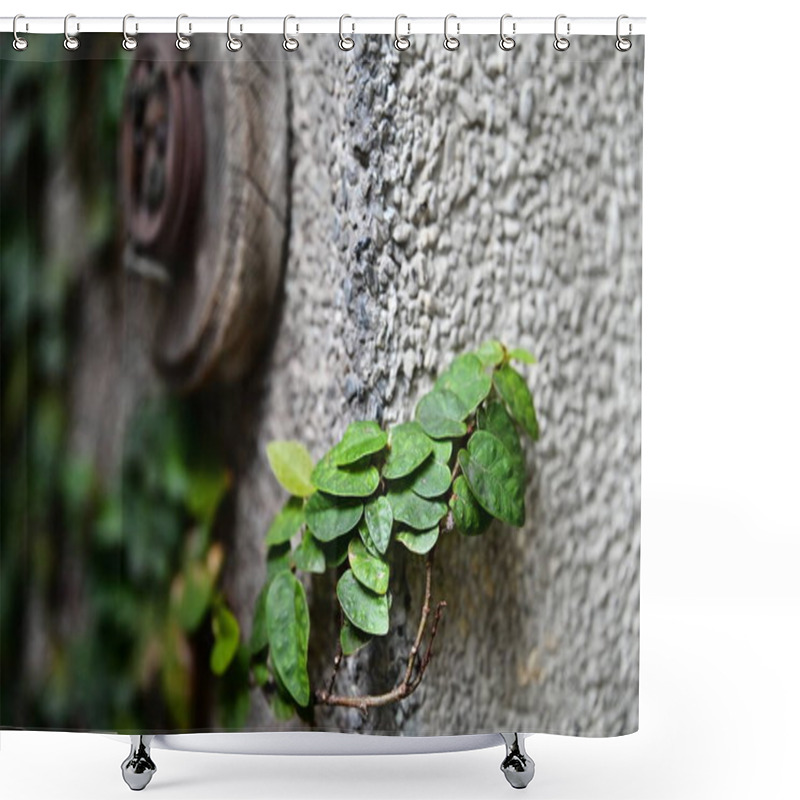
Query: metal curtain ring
{"x": 451, "y": 42}
{"x": 622, "y": 44}
{"x": 289, "y": 42}
{"x": 19, "y": 43}
{"x": 345, "y": 42}
{"x": 401, "y": 42}
{"x": 71, "y": 43}
{"x": 507, "y": 42}
{"x": 561, "y": 43}
{"x": 233, "y": 44}
{"x": 128, "y": 42}
{"x": 182, "y": 42}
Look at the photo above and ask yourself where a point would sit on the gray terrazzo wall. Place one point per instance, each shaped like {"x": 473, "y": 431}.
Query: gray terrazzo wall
{"x": 439, "y": 199}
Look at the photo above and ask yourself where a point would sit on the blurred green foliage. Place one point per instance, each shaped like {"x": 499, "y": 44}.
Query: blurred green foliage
{"x": 107, "y": 582}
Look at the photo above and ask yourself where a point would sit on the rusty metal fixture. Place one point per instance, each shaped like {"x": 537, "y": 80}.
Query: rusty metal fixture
{"x": 204, "y": 178}
{"x": 162, "y": 153}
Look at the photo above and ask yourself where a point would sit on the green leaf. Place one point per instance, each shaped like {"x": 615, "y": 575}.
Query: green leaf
{"x": 281, "y": 703}
{"x": 336, "y": 551}
{"x": 409, "y": 447}
{"x": 292, "y": 465}
{"x": 491, "y": 353}
{"x": 366, "y": 539}
{"x": 279, "y": 559}
{"x": 330, "y": 517}
{"x": 345, "y": 481}
{"x": 440, "y": 414}
{"x": 512, "y": 388}
{"x": 368, "y": 611}
{"x": 442, "y": 450}
{"x": 432, "y": 479}
{"x": 468, "y": 515}
{"x": 194, "y": 595}
{"x": 352, "y": 639}
{"x": 415, "y": 511}
{"x": 260, "y": 672}
{"x": 288, "y": 625}
{"x": 467, "y": 379}
{"x": 259, "y": 635}
{"x": 419, "y": 542}
{"x": 490, "y": 472}
{"x": 495, "y": 419}
{"x": 287, "y": 522}
{"x": 372, "y": 572}
{"x": 523, "y": 355}
{"x": 226, "y": 639}
{"x": 359, "y": 440}
{"x": 379, "y": 518}
{"x": 309, "y": 555}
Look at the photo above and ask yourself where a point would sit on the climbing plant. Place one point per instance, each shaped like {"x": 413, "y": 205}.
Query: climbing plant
{"x": 455, "y": 467}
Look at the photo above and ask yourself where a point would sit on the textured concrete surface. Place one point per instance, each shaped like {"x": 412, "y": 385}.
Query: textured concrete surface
{"x": 438, "y": 199}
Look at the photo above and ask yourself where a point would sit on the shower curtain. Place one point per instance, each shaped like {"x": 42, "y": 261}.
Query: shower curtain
{"x": 321, "y": 385}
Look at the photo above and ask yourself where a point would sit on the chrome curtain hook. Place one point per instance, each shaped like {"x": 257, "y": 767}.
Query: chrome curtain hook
{"x": 623, "y": 44}
{"x": 451, "y": 42}
{"x": 19, "y": 43}
{"x": 507, "y": 42}
{"x": 401, "y": 42}
{"x": 345, "y": 42}
{"x": 233, "y": 44}
{"x": 182, "y": 42}
{"x": 129, "y": 42}
{"x": 71, "y": 42}
{"x": 561, "y": 43}
{"x": 290, "y": 44}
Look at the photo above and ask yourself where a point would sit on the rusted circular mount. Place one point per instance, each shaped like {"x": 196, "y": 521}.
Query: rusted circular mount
{"x": 162, "y": 153}
{"x": 206, "y": 199}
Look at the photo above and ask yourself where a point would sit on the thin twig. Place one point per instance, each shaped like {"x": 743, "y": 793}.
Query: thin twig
{"x": 410, "y": 680}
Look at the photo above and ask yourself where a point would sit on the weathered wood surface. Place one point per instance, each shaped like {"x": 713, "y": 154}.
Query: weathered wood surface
{"x": 438, "y": 199}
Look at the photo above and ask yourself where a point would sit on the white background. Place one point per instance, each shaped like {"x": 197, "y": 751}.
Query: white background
{"x": 720, "y": 696}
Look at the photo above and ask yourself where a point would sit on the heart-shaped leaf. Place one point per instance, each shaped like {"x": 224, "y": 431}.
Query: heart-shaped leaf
{"x": 287, "y": 522}
{"x": 292, "y": 465}
{"x": 442, "y": 450}
{"x": 309, "y": 555}
{"x": 379, "y": 518}
{"x": 330, "y": 517}
{"x": 467, "y": 379}
{"x": 288, "y": 626}
{"x": 415, "y": 511}
{"x": 512, "y": 388}
{"x": 372, "y": 572}
{"x": 419, "y": 542}
{"x": 352, "y": 639}
{"x": 368, "y": 611}
{"x": 490, "y": 472}
{"x": 495, "y": 419}
{"x": 345, "y": 481}
{"x": 409, "y": 447}
{"x": 468, "y": 515}
{"x": 491, "y": 353}
{"x": 523, "y": 355}
{"x": 432, "y": 479}
{"x": 440, "y": 414}
{"x": 360, "y": 439}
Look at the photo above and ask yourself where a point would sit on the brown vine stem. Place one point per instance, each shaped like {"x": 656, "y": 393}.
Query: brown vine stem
{"x": 411, "y": 679}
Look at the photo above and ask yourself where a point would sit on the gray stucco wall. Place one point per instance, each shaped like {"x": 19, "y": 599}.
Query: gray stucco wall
{"x": 439, "y": 199}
